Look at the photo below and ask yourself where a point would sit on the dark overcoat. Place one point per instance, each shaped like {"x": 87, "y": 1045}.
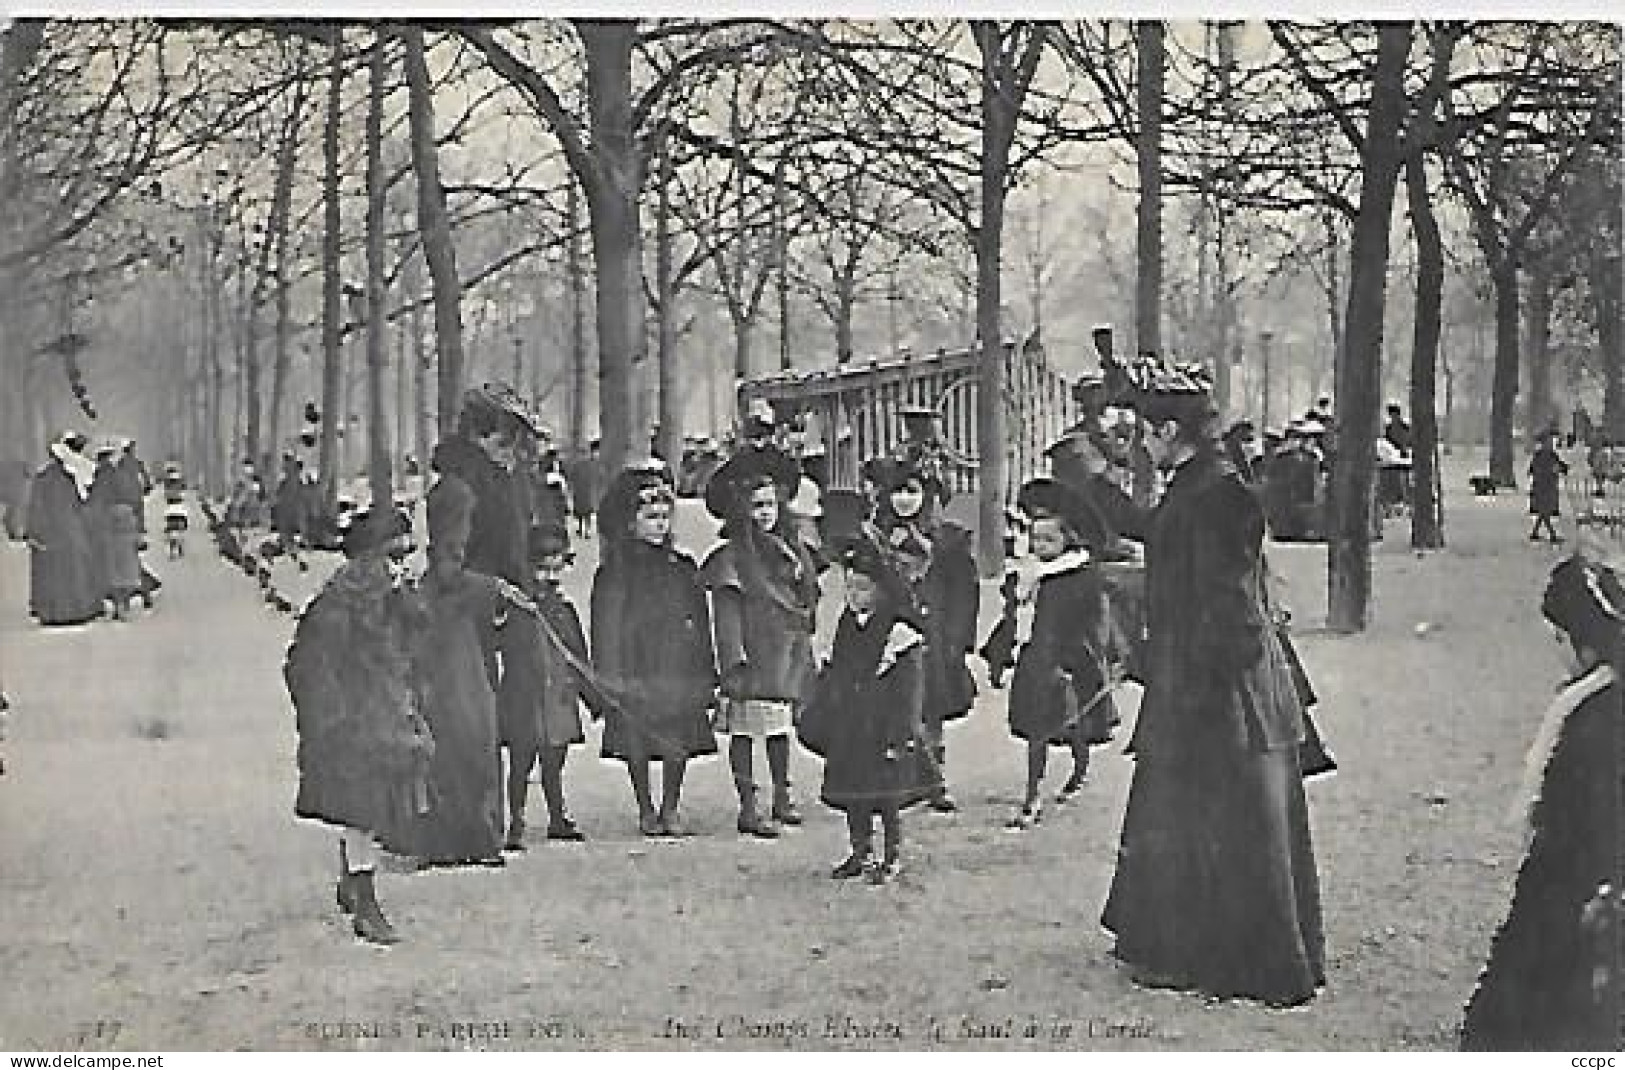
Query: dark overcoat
{"x": 1216, "y": 887}
{"x": 1536, "y": 993}
{"x": 936, "y": 559}
{"x": 364, "y": 748}
{"x": 500, "y": 529}
{"x": 1058, "y": 692}
{"x": 465, "y": 803}
{"x": 864, "y": 715}
{"x": 63, "y": 585}
{"x": 652, "y": 651}
{"x": 539, "y": 700}
{"x": 764, "y": 624}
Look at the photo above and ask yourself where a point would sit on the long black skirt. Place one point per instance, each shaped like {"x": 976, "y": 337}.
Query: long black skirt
{"x": 1216, "y": 888}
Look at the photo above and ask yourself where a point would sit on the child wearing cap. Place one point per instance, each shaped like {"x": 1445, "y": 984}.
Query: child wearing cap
{"x": 864, "y": 715}
{"x": 539, "y": 699}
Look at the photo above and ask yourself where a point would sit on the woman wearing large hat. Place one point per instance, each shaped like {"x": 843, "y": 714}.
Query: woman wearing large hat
{"x": 1553, "y": 980}
{"x": 1216, "y": 887}
{"x": 764, "y": 597}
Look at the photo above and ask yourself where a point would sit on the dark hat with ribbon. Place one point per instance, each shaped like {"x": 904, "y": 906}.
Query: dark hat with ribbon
{"x": 728, "y": 489}
{"x": 633, "y": 487}
{"x": 1587, "y": 602}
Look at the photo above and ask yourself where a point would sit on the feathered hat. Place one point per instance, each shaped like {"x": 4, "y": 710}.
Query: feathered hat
{"x": 1587, "y": 602}
{"x": 857, "y": 553}
{"x": 1160, "y": 389}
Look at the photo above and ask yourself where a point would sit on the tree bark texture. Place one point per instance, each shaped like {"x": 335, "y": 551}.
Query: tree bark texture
{"x": 1148, "y": 215}
{"x": 439, "y": 251}
{"x": 1504, "y": 384}
{"x": 380, "y": 477}
{"x": 332, "y": 299}
{"x": 1359, "y": 364}
{"x": 1427, "y": 527}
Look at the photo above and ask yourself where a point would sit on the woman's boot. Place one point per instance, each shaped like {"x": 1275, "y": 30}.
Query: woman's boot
{"x": 370, "y": 923}
{"x": 346, "y": 891}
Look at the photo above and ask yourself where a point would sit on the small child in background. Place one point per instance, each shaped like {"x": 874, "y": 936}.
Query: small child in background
{"x": 865, "y": 715}
{"x": 1054, "y": 630}
{"x": 122, "y": 550}
{"x": 539, "y": 699}
{"x": 176, "y": 519}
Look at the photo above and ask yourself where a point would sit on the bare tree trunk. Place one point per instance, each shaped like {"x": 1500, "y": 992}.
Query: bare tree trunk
{"x": 439, "y": 251}
{"x": 845, "y": 299}
{"x": 1604, "y": 284}
{"x": 1427, "y": 529}
{"x": 423, "y": 414}
{"x": 287, "y": 156}
{"x": 380, "y": 477}
{"x": 1359, "y": 366}
{"x": 1538, "y": 323}
{"x": 670, "y": 422}
{"x": 1148, "y": 215}
{"x": 578, "y": 324}
{"x": 617, "y": 238}
{"x": 1504, "y": 391}
{"x": 332, "y": 306}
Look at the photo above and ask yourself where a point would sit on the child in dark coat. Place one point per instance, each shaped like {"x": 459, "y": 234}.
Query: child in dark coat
{"x": 866, "y": 711}
{"x": 1055, "y": 630}
{"x": 539, "y": 699}
{"x": 651, "y": 646}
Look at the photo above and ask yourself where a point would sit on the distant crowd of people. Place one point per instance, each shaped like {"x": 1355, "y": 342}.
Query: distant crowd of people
{"x": 86, "y": 527}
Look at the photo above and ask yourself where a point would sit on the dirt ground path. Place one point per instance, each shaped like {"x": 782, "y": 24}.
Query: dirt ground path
{"x": 158, "y": 894}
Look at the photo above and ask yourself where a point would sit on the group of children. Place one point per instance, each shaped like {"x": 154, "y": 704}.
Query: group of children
{"x": 682, "y": 651}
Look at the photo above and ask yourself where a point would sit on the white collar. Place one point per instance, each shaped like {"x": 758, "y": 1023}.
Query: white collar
{"x": 1551, "y": 728}
{"x": 1070, "y": 561}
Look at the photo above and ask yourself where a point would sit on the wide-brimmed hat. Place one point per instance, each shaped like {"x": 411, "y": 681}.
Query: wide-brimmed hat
{"x": 1048, "y": 497}
{"x": 1587, "y": 602}
{"x": 502, "y": 399}
{"x": 857, "y": 553}
{"x": 727, "y": 490}
{"x": 890, "y": 473}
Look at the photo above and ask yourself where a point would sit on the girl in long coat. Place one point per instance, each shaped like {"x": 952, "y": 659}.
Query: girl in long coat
{"x": 364, "y": 748}
{"x": 934, "y": 556}
{"x": 1216, "y": 887}
{"x": 464, "y": 822}
{"x": 62, "y": 571}
{"x": 764, "y": 597}
{"x": 1056, "y": 631}
{"x": 651, "y": 646}
{"x": 1552, "y": 982}
{"x": 865, "y": 710}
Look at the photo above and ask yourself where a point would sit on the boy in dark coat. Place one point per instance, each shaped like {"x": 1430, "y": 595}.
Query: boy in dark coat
{"x": 539, "y": 702}
{"x": 865, "y": 712}
{"x": 1055, "y": 629}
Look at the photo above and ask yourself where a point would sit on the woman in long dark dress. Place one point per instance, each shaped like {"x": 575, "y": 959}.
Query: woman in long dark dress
{"x": 1552, "y": 981}
{"x": 1216, "y": 887}
{"x": 651, "y": 646}
{"x": 464, "y": 822}
{"x": 62, "y": 572}
{"x": 1546, "y": 471}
